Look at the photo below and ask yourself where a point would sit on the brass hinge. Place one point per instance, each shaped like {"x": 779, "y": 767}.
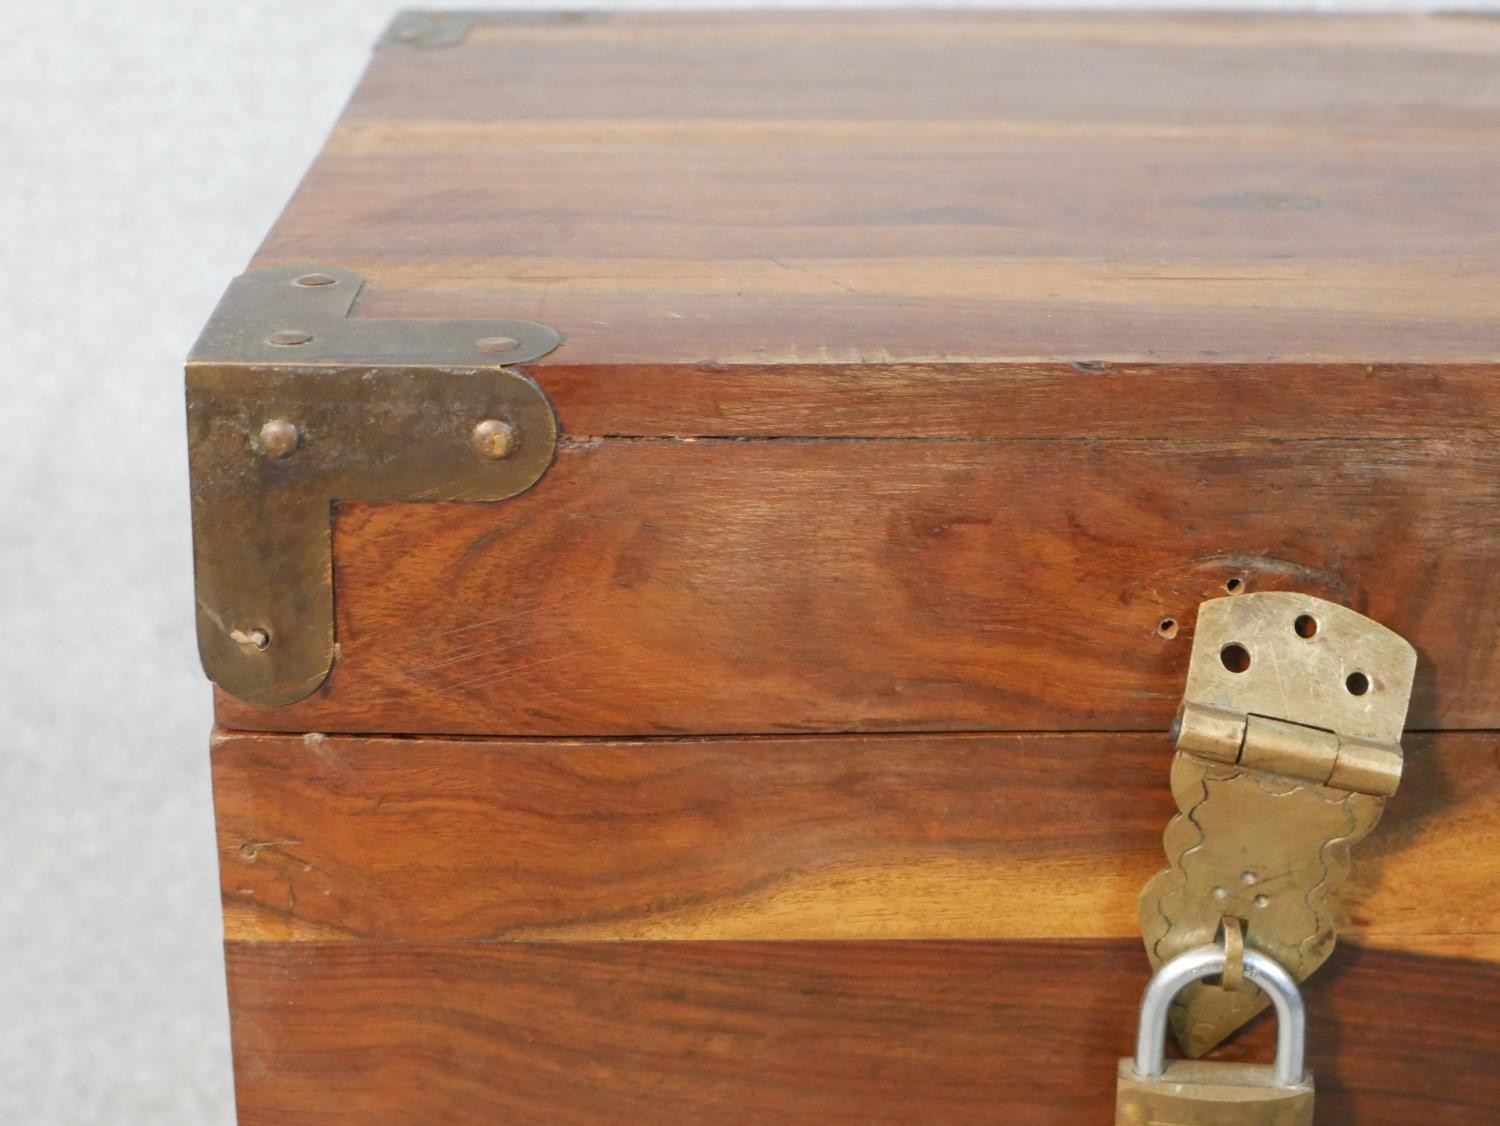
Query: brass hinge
{"x": 294, "y": 405}
{"x": 1288, "y": 743}
{"x": 1298, "y": 687}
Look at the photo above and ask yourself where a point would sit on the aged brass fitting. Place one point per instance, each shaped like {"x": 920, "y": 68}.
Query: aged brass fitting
{"x": 1288, "y": 743}
{"x": 392, "y": 405}
{"x": 279, "y": 438}
{"x": 494, "y": 440}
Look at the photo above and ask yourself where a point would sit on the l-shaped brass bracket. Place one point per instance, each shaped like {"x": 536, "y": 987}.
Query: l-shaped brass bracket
{"x": 294, "y": 405}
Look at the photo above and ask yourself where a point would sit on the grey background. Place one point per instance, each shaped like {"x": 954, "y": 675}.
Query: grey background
{"x": 144, "y": 149}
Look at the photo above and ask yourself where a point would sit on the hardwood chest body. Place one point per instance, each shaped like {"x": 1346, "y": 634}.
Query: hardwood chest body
{"x": 701, "y": 526}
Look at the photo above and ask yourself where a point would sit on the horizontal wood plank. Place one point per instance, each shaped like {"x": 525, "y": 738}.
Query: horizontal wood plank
{"x": 1082, "y": 402}
{"x": 1018, "y": 836}
{"x": 340, "y": 1034}
{"x": 756, "y": 189}
{"x": 687, "y": 587}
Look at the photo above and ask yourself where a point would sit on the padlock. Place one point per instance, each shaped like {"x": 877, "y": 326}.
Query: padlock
{"x": 1152, "y": 1091}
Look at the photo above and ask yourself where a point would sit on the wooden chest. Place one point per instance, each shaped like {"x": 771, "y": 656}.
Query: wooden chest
{"x": 701, "y": 525}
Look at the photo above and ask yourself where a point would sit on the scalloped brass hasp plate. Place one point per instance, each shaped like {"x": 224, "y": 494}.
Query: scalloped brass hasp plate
{"x": 293, "y": 405}
{"x": 1288, "y": 743}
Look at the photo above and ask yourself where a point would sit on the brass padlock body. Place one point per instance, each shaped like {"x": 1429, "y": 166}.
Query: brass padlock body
{"x": 1209, "y": 1093}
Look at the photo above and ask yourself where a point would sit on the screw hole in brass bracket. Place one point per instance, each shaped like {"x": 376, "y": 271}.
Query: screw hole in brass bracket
{"x": 294, "y": 405}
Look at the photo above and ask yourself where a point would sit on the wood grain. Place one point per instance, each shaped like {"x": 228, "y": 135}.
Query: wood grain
{"x": 917, "y": 368}
{"x": 678, "y": 587}
{"x": 758, "y": 190}
{"x": 340, "y": 1034}
{"x": 1078, "y": 402}
{"x": 1164, "y": 264}
{"x": 999, "y": 836}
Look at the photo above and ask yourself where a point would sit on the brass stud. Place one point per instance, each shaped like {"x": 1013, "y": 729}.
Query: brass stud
{"x": 279, "y": 438}
{"x": 494, "y": 344}
{"x": 287, "y": 337}
{"x": 494, "y": 440}
{"x": 315, "y": 279}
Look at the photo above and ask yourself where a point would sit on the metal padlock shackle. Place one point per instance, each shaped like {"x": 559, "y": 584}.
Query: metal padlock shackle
{"x": 1206, "y": 961}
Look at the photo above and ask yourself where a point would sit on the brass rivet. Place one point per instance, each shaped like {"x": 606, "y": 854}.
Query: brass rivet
{"x": 494, "y": 440}
{"x": 497, "y": 344}
{"x": 289, "y": 336}
{"x": 315, "y": 279}
{"x": 279, "y": 438}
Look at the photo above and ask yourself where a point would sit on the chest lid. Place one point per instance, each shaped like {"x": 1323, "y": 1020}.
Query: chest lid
{"x": 1006, "y": 325}
{"x": 882, "y": 188}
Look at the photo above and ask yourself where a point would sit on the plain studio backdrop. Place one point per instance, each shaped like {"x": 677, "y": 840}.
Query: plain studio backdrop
{"x": 145, "y": 147}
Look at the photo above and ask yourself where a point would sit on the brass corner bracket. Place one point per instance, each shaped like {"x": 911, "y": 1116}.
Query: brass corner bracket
{"x": 428, "y": 29}
{"x": 1288, "y": 743}
{"x": 293, "y": 405}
